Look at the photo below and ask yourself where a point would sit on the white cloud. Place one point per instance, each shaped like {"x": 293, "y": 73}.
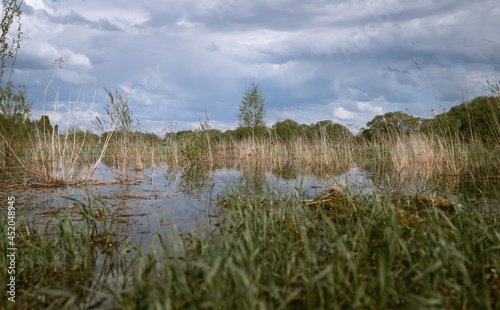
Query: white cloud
{"x": 64, "y": 119}
{"x": 38, "y": 5}
{"x": 71, "y": 77}
{"x": 290, "y": 47}
{"x": 76, "y": 59}
{"x": 368, "y": 107}
{"x": 137, "y": 94}
{"x": 343, "y": 114}
{"x": 185, "y": 23}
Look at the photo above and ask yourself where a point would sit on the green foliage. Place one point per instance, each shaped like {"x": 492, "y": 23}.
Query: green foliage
{"x": 392, "y": 124}
{"x": 183, "y": 134}
{"x": 473, "y": 121}
{"x": 242, "y": 133}
{"x": 150, "y": 137}
{"x": 287, "y": 130}
{"x": 9, "y": 47}
{"x": 363, "y": 253}
{"x": 13, "y": 106}
{"x": 443, "y": 125}
{"x": 43, "y": 126}
{"x": 85, "y": 136}
{"x": 14, "y": 120}
{"x": 477, "y": 119}
{"x": 196, "y": 146}
{"x": 328, "y": 130}
{"x": 252, "y": 109}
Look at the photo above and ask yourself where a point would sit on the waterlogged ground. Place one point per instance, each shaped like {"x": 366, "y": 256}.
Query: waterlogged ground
{"x": 144, "y": 202}
{"x": 159, "y": 198}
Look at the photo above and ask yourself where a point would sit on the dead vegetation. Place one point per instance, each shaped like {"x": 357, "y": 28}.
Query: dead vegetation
{"x": 411, "y": 208}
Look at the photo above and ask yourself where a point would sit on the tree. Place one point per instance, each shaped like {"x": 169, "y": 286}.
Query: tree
{"x": 287, "y": 130}
{"x": 44, "y": 126}
{"x": 327, "y": 129}
{"x": 252, "y": 109}
{"x": 392, "y": 124}
{"x": 474, "y": 120}
{"x": 15, "y": 111}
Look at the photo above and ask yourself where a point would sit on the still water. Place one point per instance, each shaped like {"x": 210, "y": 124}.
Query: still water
{"x": 146, "y": 201}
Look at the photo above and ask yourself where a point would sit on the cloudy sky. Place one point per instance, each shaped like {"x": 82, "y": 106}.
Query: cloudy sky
{"x": 341, "y": 60}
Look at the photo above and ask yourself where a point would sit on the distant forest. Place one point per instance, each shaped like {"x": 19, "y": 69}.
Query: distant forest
{"x": 475, "y": 121}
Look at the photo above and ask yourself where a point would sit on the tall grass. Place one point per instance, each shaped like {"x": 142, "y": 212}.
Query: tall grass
{"x": 61, "y": 265}
{"x": 273, "y": 251}
{"x": 426, "y": 154}
{"x": 423, "y": 154}
{"x": 52, "y": 158}
{"x": 60, "y": 159}
{"x": 320, "y": 152}
{"x": 69, "y": 159}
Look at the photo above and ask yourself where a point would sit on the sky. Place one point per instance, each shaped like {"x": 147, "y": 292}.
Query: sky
{"x": 339, "y": 60}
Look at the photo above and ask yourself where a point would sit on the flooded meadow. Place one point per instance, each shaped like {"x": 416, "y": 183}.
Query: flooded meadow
{"x": 288, "y": 235}
{"x": 146, "y": 200}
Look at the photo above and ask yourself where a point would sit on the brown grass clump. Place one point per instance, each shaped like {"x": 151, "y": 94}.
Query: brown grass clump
{"x": 410, "y": 220}
{"x": 423, "y": 200}
{"x": 330, "y": 196}
{"x": 413, "y": 212}
{"x": 338, "y": 205}
{"x": 335, "y": 204}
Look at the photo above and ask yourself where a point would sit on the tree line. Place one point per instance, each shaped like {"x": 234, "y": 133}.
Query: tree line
{"x": 471, "y": 121}
{"x": 474, "y": 121}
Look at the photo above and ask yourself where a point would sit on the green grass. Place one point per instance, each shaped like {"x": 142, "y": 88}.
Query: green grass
{"x": 58, "y": 265}
{"x": 273, "y": 251}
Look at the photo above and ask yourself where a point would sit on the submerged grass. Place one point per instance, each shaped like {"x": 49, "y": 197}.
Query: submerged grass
{"x": 419, "y": 153}
{"x": 277, "y": 250}
{"x": 61, "y": 265}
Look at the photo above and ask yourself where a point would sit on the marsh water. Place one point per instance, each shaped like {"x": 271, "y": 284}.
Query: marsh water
{"x": 146, "y": 201}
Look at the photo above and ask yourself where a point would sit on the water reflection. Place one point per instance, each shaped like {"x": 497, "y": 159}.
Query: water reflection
{"x": 147, "y": 199}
